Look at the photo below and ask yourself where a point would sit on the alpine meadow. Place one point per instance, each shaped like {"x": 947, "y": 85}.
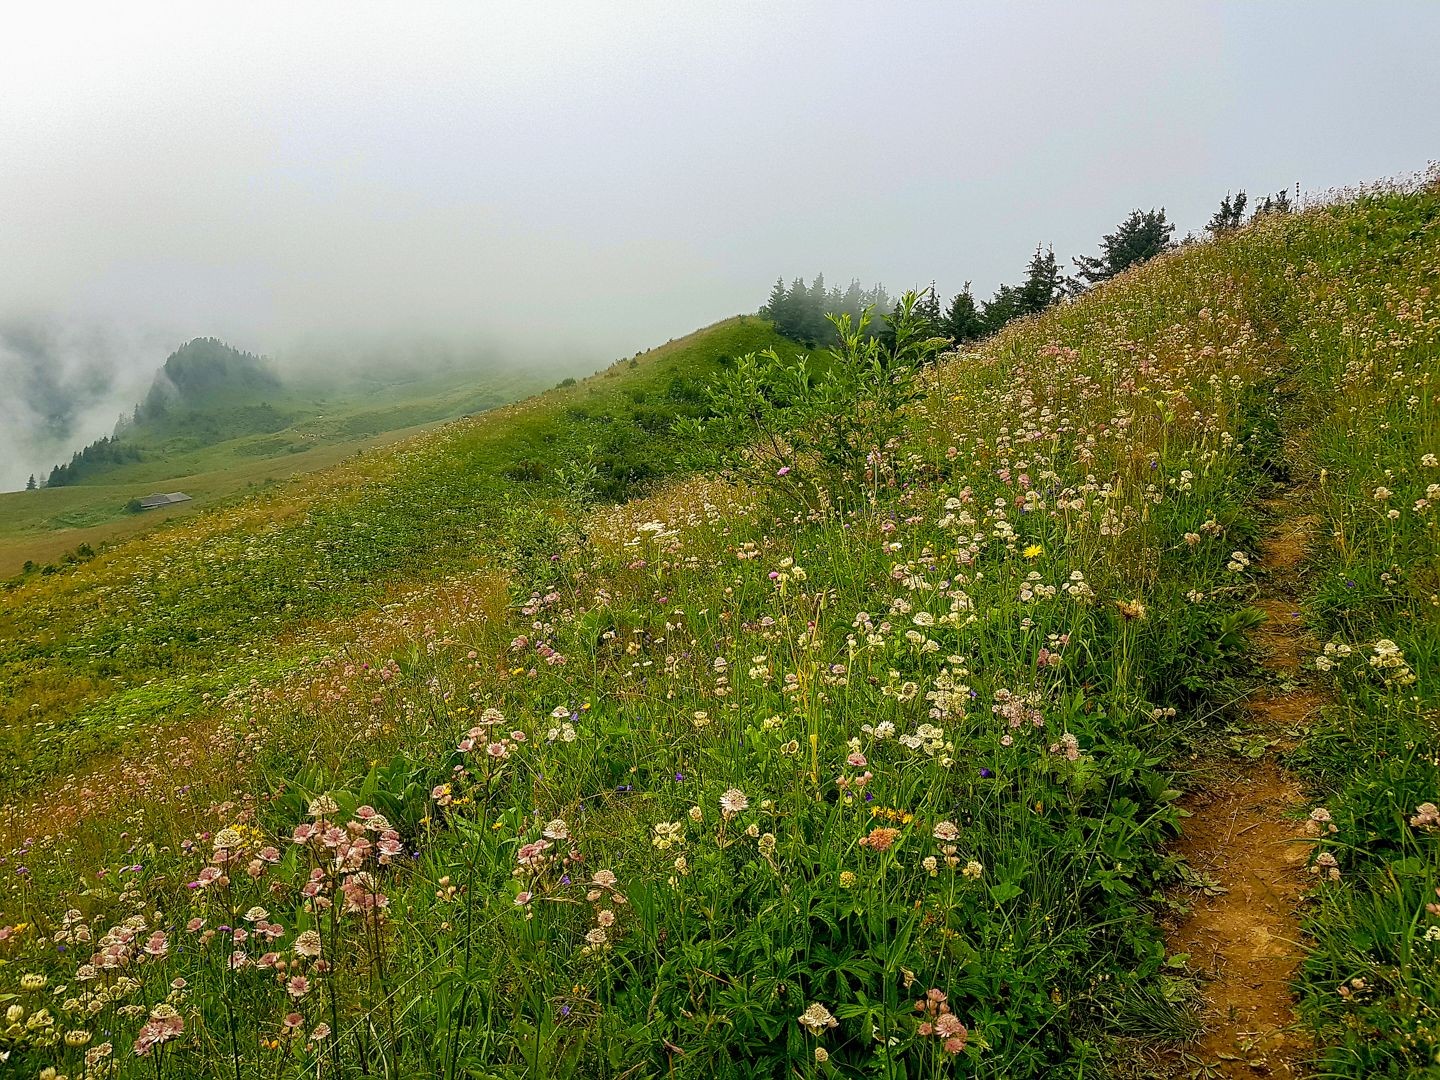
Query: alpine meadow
{"x": 1036, "y": 678}
{"x": 859, "y": 748}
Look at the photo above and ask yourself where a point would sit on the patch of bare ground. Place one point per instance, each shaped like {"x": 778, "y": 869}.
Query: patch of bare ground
{"x": 1247, "y": 850}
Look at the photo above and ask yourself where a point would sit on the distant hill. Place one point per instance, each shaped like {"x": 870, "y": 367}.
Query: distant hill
{"x": 206, "y": 390}
{"x": 206, "y": 371}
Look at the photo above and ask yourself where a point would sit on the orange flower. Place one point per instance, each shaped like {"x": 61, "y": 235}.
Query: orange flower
{"x": 880, "y": 838}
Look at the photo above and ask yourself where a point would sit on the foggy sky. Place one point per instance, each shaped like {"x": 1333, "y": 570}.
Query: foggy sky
{"x": 586, "y": 180}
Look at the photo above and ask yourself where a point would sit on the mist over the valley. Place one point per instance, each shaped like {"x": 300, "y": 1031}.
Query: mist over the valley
{"x": 341, "y": 188}
{"x": 65, "y": 383}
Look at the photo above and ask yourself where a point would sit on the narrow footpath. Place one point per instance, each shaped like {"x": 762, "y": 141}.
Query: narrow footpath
{"x": 1245, "y": 841}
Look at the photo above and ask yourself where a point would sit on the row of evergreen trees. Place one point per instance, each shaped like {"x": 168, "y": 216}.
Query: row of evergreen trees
{"x": 204, "y": 372}
{"x": 799, "y": 311}
{"x": 105, "y": 451}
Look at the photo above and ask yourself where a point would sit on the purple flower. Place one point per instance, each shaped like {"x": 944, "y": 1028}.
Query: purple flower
{"x": 986, "y": 773}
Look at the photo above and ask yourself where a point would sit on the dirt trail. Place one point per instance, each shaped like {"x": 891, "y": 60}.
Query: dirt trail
{"x": 1242, "y": 838}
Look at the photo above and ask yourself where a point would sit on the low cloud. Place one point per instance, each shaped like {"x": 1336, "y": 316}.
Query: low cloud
{"x": 566, "y": 184}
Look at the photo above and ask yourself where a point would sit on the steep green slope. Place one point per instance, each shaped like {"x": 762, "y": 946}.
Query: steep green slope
{"x": 205, "y": 392}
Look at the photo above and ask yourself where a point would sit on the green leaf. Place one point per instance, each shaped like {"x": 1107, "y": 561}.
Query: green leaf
{"x": 1410, "y": 866}
{"x": 1004, "y": 891}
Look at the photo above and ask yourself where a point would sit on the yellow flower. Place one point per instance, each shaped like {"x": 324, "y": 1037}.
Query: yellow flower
{"x": 1033, "y": 551}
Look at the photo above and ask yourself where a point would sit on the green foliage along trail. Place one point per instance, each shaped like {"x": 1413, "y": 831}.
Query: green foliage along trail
{"x": 869, "y": 775}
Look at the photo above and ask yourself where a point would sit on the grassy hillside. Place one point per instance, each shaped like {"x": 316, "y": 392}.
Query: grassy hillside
{"x": 1360, "y": 415}
{"x": 150, "y": 626}
{"x": 214, "y": 451}
{"x": 453, "y": 762}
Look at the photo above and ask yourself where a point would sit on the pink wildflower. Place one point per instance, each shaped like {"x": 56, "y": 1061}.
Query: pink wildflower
{"x": 164, "y": 1024}
{"x": 157, "y": 945}
{"x": 733, "y": 801}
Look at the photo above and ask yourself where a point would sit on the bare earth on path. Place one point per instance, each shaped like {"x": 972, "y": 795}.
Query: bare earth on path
{"x": 1245, "y": 841}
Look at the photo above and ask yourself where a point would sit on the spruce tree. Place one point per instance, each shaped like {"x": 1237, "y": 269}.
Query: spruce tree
{"x": 927, "y": 312}
{"x": 775, "y": 306}
{"x": 1043, "y": 284}
{"x": 1139, "y": 238}
{"x": 817, "y": 328}
{"x": 792, "y": 325}
{"x": 1006, "y": 304}
{"x": 1279, "y": 203}
{"x": 1230, "y": 214}
{"x": 31, "y": 485}
{"x": 962, "y": 321}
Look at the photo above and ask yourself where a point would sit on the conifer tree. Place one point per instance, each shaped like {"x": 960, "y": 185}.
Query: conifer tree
{"x": 796, "y": 303}
{"x": 775, "y": 306}
{"x": 817, "y": 329}
{"x": 1279, "y": 203}
{"x": 962, "y": 321}
{"x": 31, "y": 485}
{"x": 1139, "y": 238}
{"x": 1043, "y": 283}
{"x": 876, "y": 297}
{"x": 1230, "y": 214}
{"x": 927, "y": 312}
{"x": 1001, "y": 308}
